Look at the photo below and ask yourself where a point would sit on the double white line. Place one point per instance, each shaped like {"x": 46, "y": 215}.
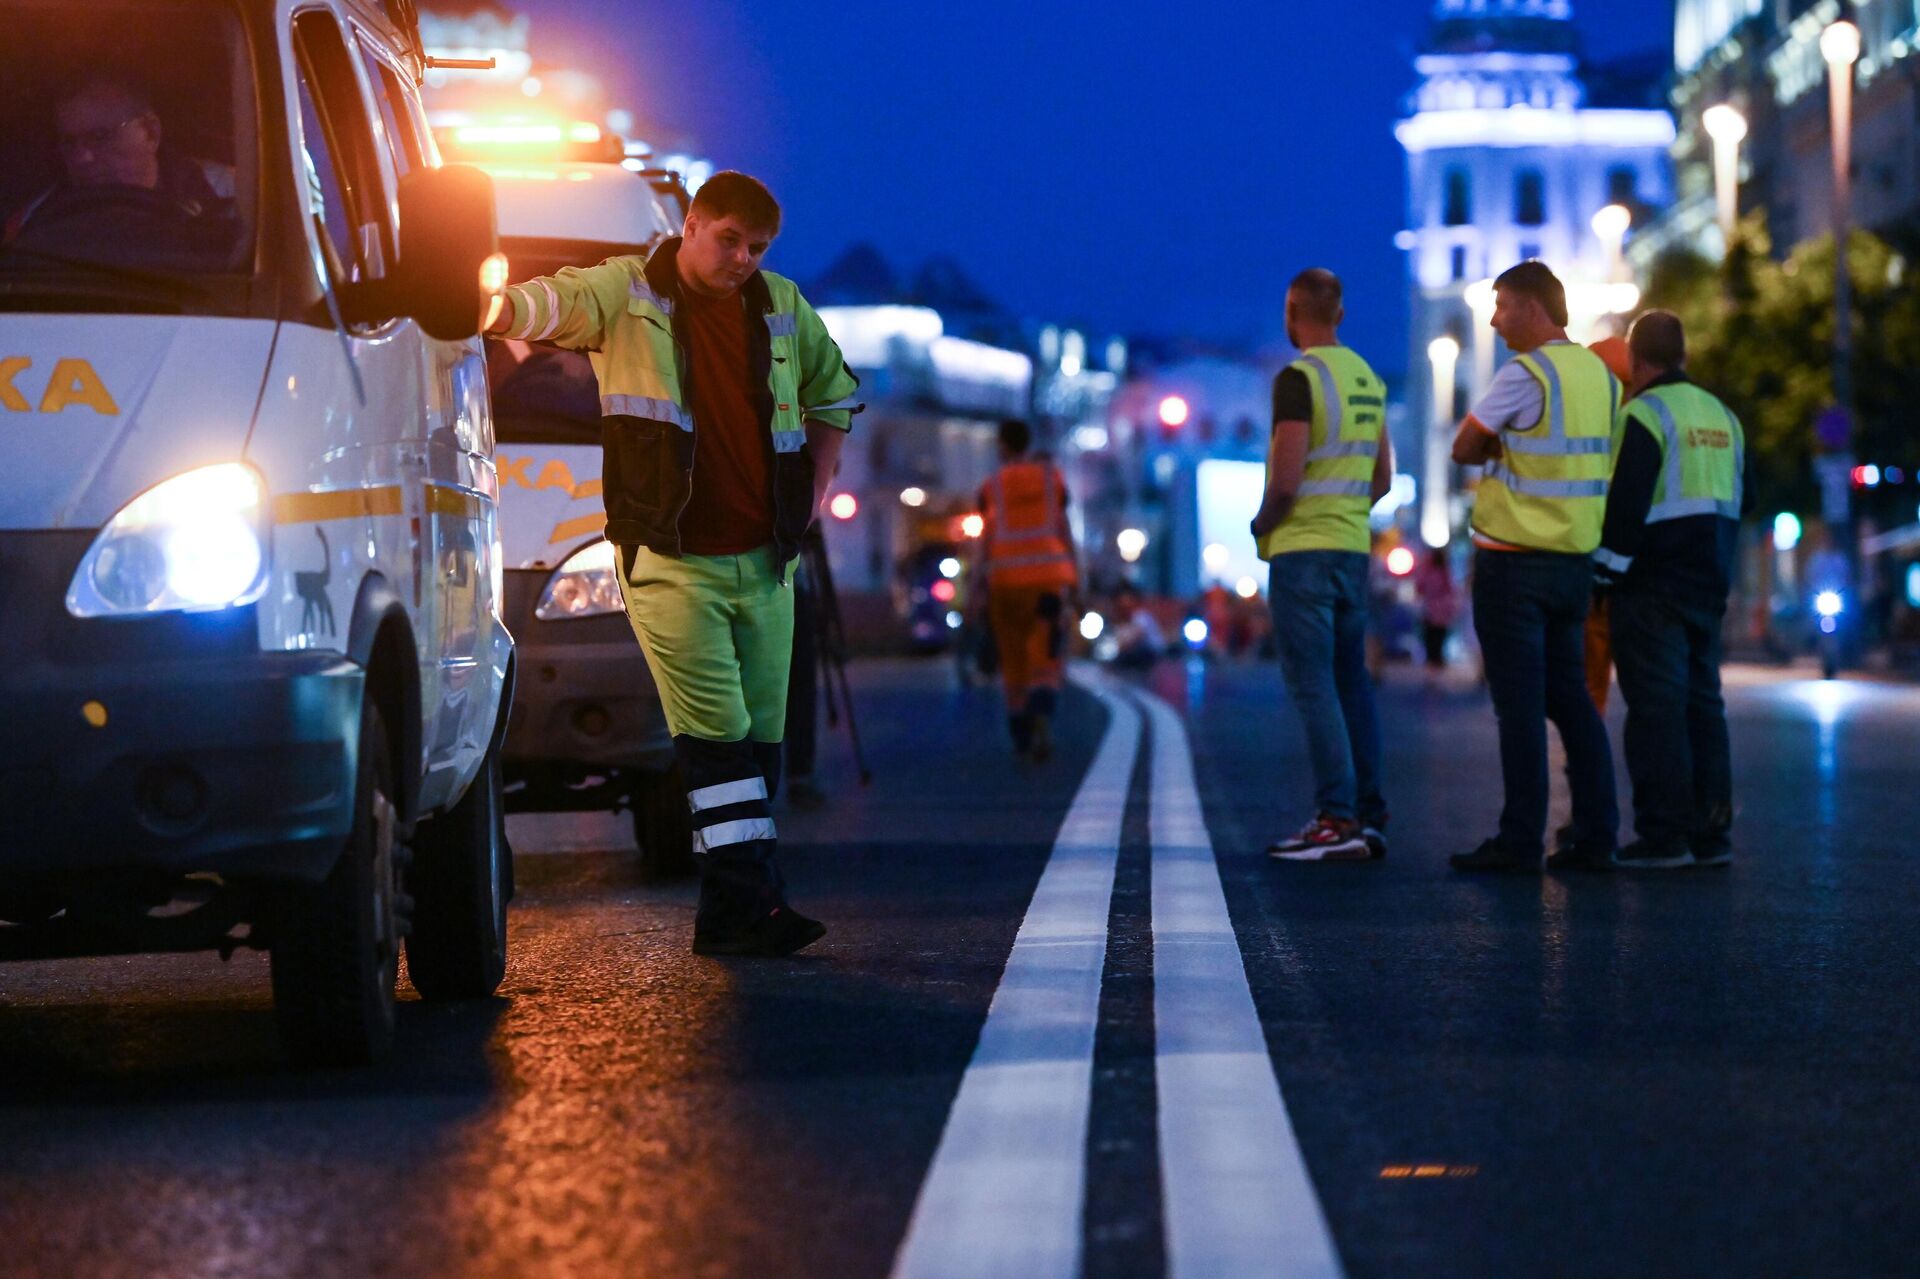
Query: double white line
{"x": 1007, "y": 1189}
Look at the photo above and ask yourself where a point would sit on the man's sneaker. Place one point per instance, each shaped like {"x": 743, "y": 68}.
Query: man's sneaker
{"x": 1643, "y": 855}
{"x": 1712, "y": 855}
{"x": 1324, "y": 839}
{"x": 781, "y": 931}
{"x": 1376, "y": 841}
{"x": 1494, "y": 856}
{"x": 1571, "y": 854}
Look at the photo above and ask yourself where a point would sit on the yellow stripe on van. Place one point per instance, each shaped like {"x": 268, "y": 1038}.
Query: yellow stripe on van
{"x": 445, "y": 499}
{"x": 340, "y": 504}
{"x": 567, "y": 530}
{"x": 387, "y": 499}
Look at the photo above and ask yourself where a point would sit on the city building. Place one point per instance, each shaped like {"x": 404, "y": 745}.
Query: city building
{"x": 1763, "y": 59}
{"x": 1513, "y": 146}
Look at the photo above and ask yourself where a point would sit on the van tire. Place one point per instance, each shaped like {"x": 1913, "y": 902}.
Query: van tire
{"x": 662, "y": 825}
{"x": 335, "y": 945}
{"x": 462, "y": 879}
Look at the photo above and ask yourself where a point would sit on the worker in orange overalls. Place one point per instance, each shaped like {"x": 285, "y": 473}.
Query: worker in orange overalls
{"x": 1026, "y": 554}
{"x": 1612, "y": 350}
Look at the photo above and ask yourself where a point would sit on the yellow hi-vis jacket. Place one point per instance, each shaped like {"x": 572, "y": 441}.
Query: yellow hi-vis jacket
{"x": 624, "y": 313}
{"x": 1548, "y": 489}
{"x": 1343, "y": 443}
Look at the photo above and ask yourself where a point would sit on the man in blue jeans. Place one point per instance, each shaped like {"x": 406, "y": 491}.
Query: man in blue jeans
{"x": 1544, "y": 431}
{"x": 1328, "y": 462}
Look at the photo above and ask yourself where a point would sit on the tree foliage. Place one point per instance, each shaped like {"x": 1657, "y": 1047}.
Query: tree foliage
{"x": 1760, "y": 335}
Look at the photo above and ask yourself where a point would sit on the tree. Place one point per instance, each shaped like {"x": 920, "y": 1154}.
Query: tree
{"x": 1760, "y": 335}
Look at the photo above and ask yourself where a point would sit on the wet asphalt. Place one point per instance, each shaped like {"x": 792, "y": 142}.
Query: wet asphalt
{"x": 1703, "y": 1073}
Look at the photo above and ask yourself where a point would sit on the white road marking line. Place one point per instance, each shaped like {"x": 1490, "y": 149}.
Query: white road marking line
{"x": 1236, "y": 1195}
{"x": 1006, "y": 1191}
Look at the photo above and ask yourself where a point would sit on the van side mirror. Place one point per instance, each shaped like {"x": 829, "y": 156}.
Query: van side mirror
{"x": 448, "y": 272}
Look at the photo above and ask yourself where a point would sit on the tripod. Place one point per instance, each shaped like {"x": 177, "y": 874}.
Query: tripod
{"x": 831, "y": 648}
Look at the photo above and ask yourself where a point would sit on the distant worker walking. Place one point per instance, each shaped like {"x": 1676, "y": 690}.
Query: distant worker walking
{"x": 1328, "y": 461}
{"x": 1667, "y": 553}
{"x": 1027, "y": 555}
{"x": 726, "y": 405}
{"x": 1544, "y": 430}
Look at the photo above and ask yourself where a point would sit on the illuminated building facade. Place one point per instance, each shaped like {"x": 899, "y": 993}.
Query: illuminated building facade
{"x": 1762, "y": 57}
{"x": 1512, "y": 147}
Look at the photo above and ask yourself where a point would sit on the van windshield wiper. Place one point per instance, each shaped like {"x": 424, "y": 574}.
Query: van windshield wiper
{"x": 151, "y": 277}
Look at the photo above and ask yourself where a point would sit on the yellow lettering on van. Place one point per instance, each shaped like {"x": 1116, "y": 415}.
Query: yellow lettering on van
{"x": 555, "y": 475}
{"x": 10, "y": 368}
{"x": 513, "y": 470}
{"x": 75, "y": 382}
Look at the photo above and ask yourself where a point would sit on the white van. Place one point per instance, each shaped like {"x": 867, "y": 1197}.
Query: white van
{"x": 587, "y": 731}
{"x": 254, "y": 664}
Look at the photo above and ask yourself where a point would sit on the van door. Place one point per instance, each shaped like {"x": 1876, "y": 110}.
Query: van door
{"x": 461, "y": 486}
{"x": 370, "y": 426}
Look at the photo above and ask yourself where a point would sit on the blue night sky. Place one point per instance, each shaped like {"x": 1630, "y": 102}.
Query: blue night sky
{"x": 1129, "y": 166}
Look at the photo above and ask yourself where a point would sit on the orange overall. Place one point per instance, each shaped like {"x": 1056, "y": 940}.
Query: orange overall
{"x": 1030, "y": 567}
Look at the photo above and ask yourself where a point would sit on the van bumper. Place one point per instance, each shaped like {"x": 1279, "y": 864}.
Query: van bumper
{"x": 584, "y": 697}
{"x": 241, "y": 766}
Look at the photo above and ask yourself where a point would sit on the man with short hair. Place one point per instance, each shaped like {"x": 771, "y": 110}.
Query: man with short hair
{"x": 1544, "y": 431}
{"x": 1026, "y": 554}
{"x": 1667, "y": 557}
{"x": 108, "y": 134}
{"x": 1328, "y": 461}
{"x": 725, "y": 405}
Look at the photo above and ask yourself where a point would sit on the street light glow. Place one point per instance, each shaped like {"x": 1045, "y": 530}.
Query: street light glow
{"x": 1724, "y": 124}
{"x": 1174, "y": 411}
{"x": 1443, "y": 350}
{"x": 914, "y": 496}
{"x": 844, "y": 506}
{"x": 1131, "y": 543}
{"x": 1611, "y": 223}
{"x": 1840, "y": 44}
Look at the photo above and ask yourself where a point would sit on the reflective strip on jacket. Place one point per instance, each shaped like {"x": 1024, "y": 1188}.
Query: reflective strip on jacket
{"x": 1703, "y": 453}
{"x": 623, "y": 313}
{"x": 1547, "y": 491}
{"x": 1024, "y": 547}
{"x": 1331, "y": 508}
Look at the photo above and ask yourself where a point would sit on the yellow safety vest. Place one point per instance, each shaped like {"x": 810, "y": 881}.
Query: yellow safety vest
{"x": 1343, "y": 441}
{"x": 1547, "y": 491}
{"x": 1703, "y": 451}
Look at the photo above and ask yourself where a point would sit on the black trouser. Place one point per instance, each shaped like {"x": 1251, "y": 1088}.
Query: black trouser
{"x": 1530, "y": 612}
{"x": 1678, "y": 754}
{"x": 1435, "y": 638}
{"x": 729, "y": 789}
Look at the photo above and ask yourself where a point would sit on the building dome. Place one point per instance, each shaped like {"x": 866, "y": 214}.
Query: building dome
{"x": 1508, "y": 26}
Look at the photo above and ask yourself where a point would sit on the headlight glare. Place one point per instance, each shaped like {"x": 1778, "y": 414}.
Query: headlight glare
{"x": 193, "y": 543}
{"x": 584, "y": 586}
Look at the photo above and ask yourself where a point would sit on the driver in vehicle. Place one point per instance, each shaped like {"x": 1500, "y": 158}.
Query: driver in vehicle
{"x": 109, "y": 135}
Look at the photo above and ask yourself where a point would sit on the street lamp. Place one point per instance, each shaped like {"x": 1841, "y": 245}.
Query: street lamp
{"x": 1728, "y": 129}
{"x": 1611, "y": 225}
{"x": 1840, "y": 46}
{"x": 1436, "y": 516}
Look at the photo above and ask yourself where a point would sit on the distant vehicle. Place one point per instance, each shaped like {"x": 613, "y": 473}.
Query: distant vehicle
{"x": 587, "y": 731}
{"x": 256, "y": 677}
{"x": 927, "y": 596}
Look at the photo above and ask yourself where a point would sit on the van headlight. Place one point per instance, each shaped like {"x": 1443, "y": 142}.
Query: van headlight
{"x": 194, "y": 543}
{"x": 584, "y": 586}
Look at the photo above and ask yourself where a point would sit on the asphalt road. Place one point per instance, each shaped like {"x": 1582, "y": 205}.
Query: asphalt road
{"x": 1099, "y": 1055}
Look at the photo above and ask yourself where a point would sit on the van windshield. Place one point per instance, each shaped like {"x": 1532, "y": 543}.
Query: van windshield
{"x": 542, "y": 395}
{"x": 128, "y": 154}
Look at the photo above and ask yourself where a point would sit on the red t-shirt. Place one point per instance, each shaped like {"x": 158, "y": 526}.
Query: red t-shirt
{"x": 731, "y": 509}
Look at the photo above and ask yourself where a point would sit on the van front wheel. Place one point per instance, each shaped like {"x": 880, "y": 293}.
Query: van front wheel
{"x": 335, "y": 945}
{"x": 462, "y": 878}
